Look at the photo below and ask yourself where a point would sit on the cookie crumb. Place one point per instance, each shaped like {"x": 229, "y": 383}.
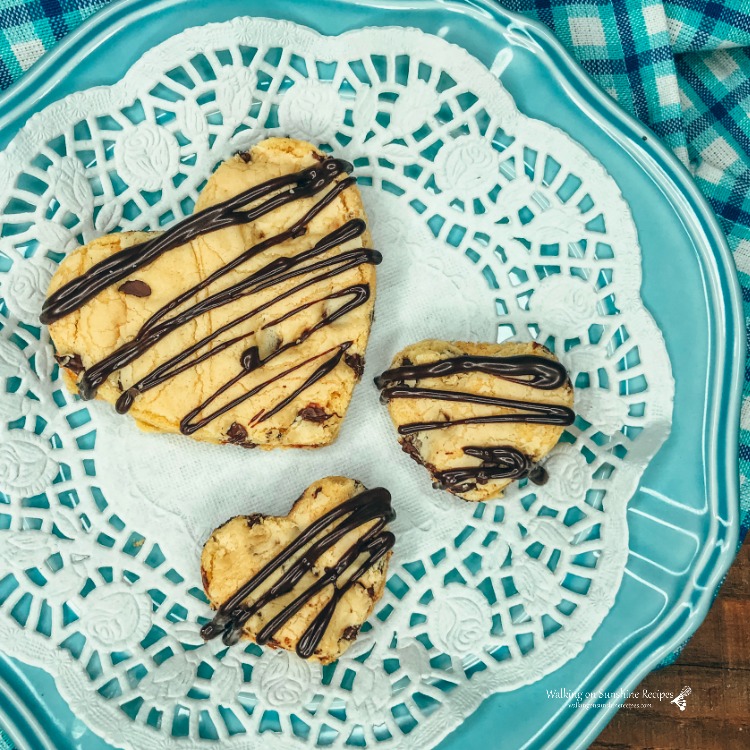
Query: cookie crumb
{"x": 409, "y": 447}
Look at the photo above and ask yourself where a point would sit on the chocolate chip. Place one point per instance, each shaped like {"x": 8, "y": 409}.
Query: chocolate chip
{"x": 371, "y": 592}
{"x": 253, "y": 520}
{"x": 538, "y": 475}
{"x": 236, "y": 433}
{"x": 318, "y": 156}
{"x": 70, "y": 362}
{"x": 350, "y": 633}
{"x": 204, "y": 578}
{"x": 313, "y": 413}
{"x": 245, "y": 156}
{"x": 136, "y": 288}
{"x": 357, "y": 363}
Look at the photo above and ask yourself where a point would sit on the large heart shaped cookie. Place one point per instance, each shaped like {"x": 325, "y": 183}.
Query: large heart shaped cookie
{"x": 306, "y": 581}
{"x": 478, "y": 416}
{"x": 245, "y": 323}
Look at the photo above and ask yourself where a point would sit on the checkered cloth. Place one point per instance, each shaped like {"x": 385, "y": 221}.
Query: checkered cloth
{"x": 680, "y": 66}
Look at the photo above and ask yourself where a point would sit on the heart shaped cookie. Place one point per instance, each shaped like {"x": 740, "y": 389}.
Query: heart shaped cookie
{"x": 244, "y": 323}
{"x": 306, "y": 581}
{"x": 478, "y": 416}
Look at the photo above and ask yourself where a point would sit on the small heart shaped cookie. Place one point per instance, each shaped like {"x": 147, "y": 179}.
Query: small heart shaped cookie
{"x": 305, "y": 581}
{"x": 478, "y": 416}
{"x": 244, "y": 323}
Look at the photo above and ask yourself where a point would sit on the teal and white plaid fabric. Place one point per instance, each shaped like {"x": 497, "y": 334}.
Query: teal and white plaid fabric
{"x": 29, "y": 28}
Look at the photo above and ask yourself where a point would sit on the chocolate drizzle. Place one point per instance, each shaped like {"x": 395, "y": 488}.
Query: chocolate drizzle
{"x": 529, "y": 413}
{"x": 526, "y": 369}
{"x": 313, "y": 264}
{"x": 76, "y": 293}
{"x": 319, "y": 537}
{"x": 497, "y": 462}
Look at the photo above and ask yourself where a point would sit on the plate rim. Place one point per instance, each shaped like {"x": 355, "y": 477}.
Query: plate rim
{"x": 721, "y": 411}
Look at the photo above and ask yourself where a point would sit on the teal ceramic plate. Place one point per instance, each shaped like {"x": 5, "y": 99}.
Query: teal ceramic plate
{"x": 683, "y": 516}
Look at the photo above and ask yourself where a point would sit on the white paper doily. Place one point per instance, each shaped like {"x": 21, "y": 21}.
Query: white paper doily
{"x": 492, "y": 225}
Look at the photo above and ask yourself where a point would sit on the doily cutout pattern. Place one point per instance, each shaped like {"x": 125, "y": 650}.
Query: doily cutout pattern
{"x": 493, "y": 226}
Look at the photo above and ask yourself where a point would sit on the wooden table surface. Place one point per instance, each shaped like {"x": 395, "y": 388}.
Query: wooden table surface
{"x": 716, "y": 665}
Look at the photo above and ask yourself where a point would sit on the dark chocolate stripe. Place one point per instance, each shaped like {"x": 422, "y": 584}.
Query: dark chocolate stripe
{"x": 497, "y": 462}
{"x": 321, "y": 536}
{"x": 177, "y": 364}
{"x": 257, "y": 282}
{"x": 527, "y": 369}
{"x": 312, "y": 264}
{"x": 349, "y": 231}
{"x": 76, "y": 293}
{"x": 188, "y": 426}
{"x": 526, "y": 412}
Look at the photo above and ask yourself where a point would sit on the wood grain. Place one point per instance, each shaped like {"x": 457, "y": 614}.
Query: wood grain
{"x": 716, "y": 665}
